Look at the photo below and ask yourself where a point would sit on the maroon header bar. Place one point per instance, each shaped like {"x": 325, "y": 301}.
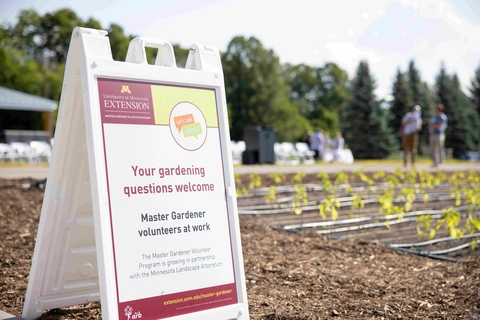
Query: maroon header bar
{"x": 125, "y": 102}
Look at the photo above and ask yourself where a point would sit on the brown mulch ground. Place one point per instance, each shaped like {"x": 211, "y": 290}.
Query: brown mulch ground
{"x": 289, "y": 275}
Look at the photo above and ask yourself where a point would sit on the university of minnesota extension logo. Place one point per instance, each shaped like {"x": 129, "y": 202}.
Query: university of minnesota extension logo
{"x": 188, "y": 126}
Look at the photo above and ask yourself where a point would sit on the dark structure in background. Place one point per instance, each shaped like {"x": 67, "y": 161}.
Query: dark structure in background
{"x": 25, "y": 117}
{"x": 258, "y": 145}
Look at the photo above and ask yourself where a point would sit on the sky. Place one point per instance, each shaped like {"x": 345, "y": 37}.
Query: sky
{"x": 387, "y": 34}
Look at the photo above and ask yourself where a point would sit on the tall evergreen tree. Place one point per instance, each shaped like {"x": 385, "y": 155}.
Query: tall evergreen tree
{"x": 415, "y": 82}
{"x": 427, "y": 102}
{"x": 421, "y": 95}
{"x": 461, "y": 134}
{"x": 402, "y": 102}
{"x": 365, "y": 125}
{"x": 475, "y": 90}
{"x": 464, "y": 136}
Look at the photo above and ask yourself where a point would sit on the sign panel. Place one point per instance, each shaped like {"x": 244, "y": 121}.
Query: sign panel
{"x": 166, "y": 188}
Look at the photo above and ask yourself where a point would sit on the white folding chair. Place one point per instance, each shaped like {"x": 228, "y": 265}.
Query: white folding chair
{"x": 307, "y": 156}
{"x": 24, "y": 152}
{"x": 293, "y": 155}
{"x": 281, "y": 156}
{"x": 41, "y": 151}
{"x": 7, "y": 153}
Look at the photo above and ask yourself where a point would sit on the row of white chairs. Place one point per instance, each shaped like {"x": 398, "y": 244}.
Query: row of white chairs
{"x": 237, "y": 148}
{"x": 32, "y": 152}
{"x": 294, "y": 153}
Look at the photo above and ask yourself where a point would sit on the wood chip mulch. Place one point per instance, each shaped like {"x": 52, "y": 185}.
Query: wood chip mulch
{"x": 290, "y": 276}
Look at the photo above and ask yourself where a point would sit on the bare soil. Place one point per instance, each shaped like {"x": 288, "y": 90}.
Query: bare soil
{"x": 289, "y": 275}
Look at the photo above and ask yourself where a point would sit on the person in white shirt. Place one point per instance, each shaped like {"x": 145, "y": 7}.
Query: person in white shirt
{"x": 411, "y": 125}
{"x": 338, "y": 145}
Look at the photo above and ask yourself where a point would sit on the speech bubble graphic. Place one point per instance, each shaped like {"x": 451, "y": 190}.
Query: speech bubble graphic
{"x": 193, "y": 129}
{"x": 183, "y": 120}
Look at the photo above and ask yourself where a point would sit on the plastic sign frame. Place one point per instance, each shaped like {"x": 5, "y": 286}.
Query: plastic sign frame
{"x": 140, "y": 208}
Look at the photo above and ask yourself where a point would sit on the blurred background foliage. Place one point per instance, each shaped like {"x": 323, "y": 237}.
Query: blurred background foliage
{"x": 259, "y": 89}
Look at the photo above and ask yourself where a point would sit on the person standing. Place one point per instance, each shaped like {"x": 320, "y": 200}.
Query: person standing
{"x": 338, "y": 145}
{"x": 318, "y": 144}
{"x": 307, "y": 138}
{"x": 437, "y": 126}
{"x": 411, "y": 125}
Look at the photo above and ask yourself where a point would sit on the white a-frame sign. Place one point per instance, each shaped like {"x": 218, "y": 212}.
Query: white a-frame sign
{"x": 140, "y": 209}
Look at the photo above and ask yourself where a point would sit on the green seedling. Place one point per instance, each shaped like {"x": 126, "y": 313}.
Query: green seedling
{"x": 255, "y": 180}
{"x": 272, "y": 194}
{"x": 277, "y": 177}
{"x": 379, "y": 175}
{"x": 341, "y": 178}
{"x": 237, "y": 179}
{"x": 300, "y": 198}
{"x": 386, "y": 201}
{"x": 408, "y": 195}
{"x": 329, "y": 205}
{"x": 298, "y": 177}
{"x": 451, "y": 219}
{"x": 325, "y": 180}
{"x": 357, "y": 201}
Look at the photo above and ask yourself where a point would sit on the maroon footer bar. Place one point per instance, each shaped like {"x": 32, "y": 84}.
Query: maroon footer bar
{"x": 170, "y": 305}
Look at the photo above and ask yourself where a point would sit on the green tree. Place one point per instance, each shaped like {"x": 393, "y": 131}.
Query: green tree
{"x": 320, "y": 94}
{"x": 303, "y": 84}
{"x": 118, "y": 41}
{"x": 365, "y": 124}
{"x": 256, "y": 91}
{"x": 462, "y": 131}
{"x": 402, "y": 101}
{"x": 422, "y": 96}
{"x": 427, "y": 102}
{"x": 334, "y": 88}
{"x": 414, "y": 82}
{"x": 465, "y": 135}
{"x": 24, "y": 34}
{"x": 181, "y": 55}
{"x": 475, "y": 90}
{"x": 19, "y": 72}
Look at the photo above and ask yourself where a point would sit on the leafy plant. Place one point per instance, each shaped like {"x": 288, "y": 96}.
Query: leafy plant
{"x": 300, "y": 198}
{"x": 408, "y": 195}
{"x": 325, "y": 180}
{"x": 241, "y": 191}
{"x": 277, "y": 177}
{"x": 451, "y": 219}
{"x": 238, "y": 181}
{"x": 425, "y": 224}
{"x": 272, "y": 195}
{"x": 357, "y": 201}
{"x": 298, "y": 177}
{"x": 379, "y": 175}
{"x": 255, "y": 180}
{"x": 329, "y": 205}
{"x": 341, "y": 178}
{"x": 386, "y": 201}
